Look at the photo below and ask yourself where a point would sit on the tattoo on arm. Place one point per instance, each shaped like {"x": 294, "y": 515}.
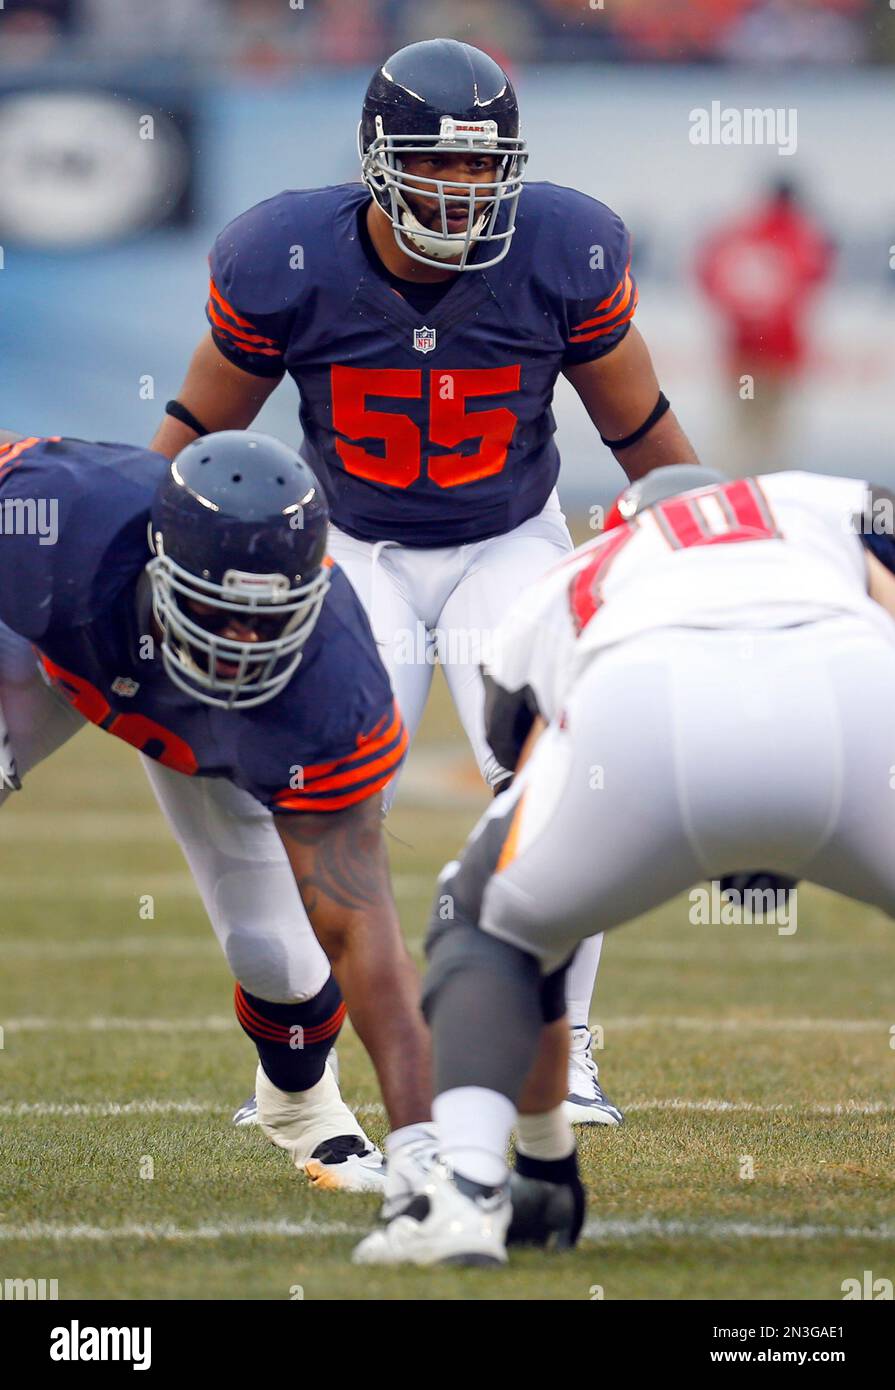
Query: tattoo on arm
{"x": 339, "y": 857}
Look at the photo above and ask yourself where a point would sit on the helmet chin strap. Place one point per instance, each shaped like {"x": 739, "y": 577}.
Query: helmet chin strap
{"x": 440, "y": 248}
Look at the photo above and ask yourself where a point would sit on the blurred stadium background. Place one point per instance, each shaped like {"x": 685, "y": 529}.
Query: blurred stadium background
{"x": 719, "y": 1045}
{"x": 104, "y": 233}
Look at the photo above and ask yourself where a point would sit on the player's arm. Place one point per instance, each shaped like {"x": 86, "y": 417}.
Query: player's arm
{"x": 250, "y": 315}
{"x": 341, "y": 868}
{"x": 620, "y": 393}
{"x": 218, "y": 394}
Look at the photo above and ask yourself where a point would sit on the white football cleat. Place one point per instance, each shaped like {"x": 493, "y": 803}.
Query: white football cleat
{"x": 247, "y": 1113}
{"x": 320, "y": 1134}
{"x": 9, "y": 773}
{"x": 449, "y": 1221}
{"x": 407, "y": 1170}
{"x": 586, "y": 1103}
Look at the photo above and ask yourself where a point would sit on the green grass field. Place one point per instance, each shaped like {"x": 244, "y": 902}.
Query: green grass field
{"x": 724, "y": 1045}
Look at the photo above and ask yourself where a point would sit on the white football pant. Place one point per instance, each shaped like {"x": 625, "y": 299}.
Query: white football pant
{"x": 446, "y": 603}
{"x": 685, "y": 755}
{"x": 231, "y": 845}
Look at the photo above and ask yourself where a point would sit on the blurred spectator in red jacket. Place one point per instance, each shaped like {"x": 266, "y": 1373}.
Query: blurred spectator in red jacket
{"x": 761, "y": 273}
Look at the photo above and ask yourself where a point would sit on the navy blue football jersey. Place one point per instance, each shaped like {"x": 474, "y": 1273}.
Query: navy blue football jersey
{"x": 73, "y": 547}
{"x": 429, "y": 429}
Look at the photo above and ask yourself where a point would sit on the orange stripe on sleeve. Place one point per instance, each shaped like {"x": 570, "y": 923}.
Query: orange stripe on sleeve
{"x": 610, "y": 327}
{"x": 625, "y": 289}
{"x": 307, "y": 799}
{"x": 333, "y": 803}
{"x": 10, "y": 452}
{"x": 367, "y": 744}
{"x": 228, "y": 309}
{"x": 607, "y": 302}
{"x": 363, "y": 771}
{"x": 251, "y": 342}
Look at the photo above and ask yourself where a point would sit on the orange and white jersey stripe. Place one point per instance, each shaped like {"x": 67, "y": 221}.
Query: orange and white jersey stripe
{"x": 331, "y": 786}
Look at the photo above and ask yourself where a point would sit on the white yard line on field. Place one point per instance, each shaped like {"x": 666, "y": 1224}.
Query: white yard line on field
{"x": 108, "y": 1109}
{"x": 97, "y": 1110}
{"x": 105, "y": 947}
{"x": 134, "y": 881}
{"x": 40, "y": 1109}
{"x": 696, "y": 1024}
{"x": 722, "y": 1107}
{"x": 654, "y": 1227}
{"x": 738, "y": 944}
{"x": 747, "y": 1024}
{"x": 165, "y": 1231}
{"x": 214, "y": 1023}
{"x": 646, "y": 1227}
{"x": 42, "y": 826}
{"x": 137, "y": 883}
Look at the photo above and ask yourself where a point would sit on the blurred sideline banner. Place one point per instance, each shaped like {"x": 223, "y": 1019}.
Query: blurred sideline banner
{"x": 104, "y": 242}
{"x": 83, "y": 165}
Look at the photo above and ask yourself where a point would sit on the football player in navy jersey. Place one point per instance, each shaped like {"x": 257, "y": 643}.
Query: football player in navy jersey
{"x": 424, "y": 315}
{"x": 191, "y": 609}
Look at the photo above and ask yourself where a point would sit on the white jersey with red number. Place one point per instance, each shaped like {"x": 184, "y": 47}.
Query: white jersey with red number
{"x": 777, "y": 551}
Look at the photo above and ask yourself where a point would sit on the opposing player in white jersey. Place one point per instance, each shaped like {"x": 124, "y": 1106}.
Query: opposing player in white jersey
{"x": 716, "y": 674}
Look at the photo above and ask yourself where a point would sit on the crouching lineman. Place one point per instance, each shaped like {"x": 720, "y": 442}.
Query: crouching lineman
{"x": 717, "y": 677}
{"x": 268, "y": 726}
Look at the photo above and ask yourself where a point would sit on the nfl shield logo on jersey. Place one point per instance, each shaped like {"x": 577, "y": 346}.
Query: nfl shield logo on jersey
{"x": 424, "y": 339}
{"x": 123, "y": 685}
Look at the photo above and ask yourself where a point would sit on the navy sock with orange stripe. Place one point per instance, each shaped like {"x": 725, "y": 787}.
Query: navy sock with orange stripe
{"x": 293, "y": 1040}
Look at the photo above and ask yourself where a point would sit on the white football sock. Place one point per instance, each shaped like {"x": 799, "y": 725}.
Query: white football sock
{"x": 581, "y": 978}
{"x": 547, "y": 1136}
{"x": 474, "y": 1126}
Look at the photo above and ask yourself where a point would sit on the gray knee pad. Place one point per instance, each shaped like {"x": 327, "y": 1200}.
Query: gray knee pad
{"x": 461, "y": 946}
{"x": 264, "y": 968}
{"x": 482, "y": 999}
{"x": 455, "y": 939}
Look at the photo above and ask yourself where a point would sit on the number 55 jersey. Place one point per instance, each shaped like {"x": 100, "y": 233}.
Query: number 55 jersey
{"x": 428, "y": 428}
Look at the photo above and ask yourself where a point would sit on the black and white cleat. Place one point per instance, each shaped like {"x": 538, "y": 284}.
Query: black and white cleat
{"x": 586, "y": 1102}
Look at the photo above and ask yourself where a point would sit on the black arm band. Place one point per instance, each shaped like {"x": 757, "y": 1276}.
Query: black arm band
{"x": 658, "y": 410}
{"x": 186, "y": 417}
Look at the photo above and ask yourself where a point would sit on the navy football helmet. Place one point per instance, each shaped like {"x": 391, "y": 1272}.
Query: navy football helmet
{"x": 443, "y": 97}
{"x": 238, "y": 529}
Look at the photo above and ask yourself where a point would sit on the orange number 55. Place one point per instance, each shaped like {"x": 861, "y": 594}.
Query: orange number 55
{"x": 450, "y": 423}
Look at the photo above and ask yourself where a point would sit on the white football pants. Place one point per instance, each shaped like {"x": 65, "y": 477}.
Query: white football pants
{"x": 686, "y": 755}
{"x": 444, "y": 604}
{"x": 231, "y": 845}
